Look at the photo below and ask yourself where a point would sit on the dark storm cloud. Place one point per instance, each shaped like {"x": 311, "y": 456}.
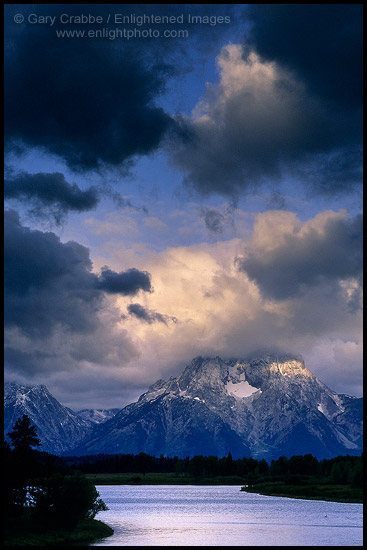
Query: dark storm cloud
{"x": 322, "y": 43}
{"x": 24, "y": 361}
{"x": 88, "y": 101}
{"x": 251, "y": 134}
{"x": 126, "y": 283}
{"x": 49, "y": 283}
{"x": 334, "y": 173}
{"x": 308, "y": 259}
{"x": 148, "y": 315}
{"x": 46, "y": 282}
{"x": 300, "y": 115}
{"x": 51, "y": 192}
{"x": 91, "y": 101}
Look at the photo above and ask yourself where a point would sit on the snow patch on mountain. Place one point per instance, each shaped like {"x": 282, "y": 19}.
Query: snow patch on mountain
{"x": 240, "y": 389}
{"x": 96, "y": 416}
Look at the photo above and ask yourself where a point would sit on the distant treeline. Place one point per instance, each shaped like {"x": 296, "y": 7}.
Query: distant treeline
{"x": 341, "y": 469}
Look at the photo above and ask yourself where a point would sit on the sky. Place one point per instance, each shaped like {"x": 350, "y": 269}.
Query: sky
{"x": 180, "y": 180}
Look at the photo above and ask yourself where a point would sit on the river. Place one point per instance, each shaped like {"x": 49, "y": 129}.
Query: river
{"x": 181, "y": 515}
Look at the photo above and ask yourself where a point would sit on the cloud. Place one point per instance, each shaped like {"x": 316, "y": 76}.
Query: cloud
{"x": 276, "y": 201}
{"x": 222, "y": 311}
{"x": 333, "y": 173}
{"x": 213, "y": 219}
{"x": 51, "y": 193}
{"x": 94, "y": 102}
{"x": 60, "y": 317}
{"x": 219, "y": 310}
{"x": 155, "y": 224}
{"x": 322, "y": 44}
{"x": 87, "y": 101}
{"x": 327, "y": 248}
{"x": 260, "y": 123}
{"x": 277, "y": 110}
{"x": 148, "y": 315}
{"x": 49, "y": 283}
{"x": 126, "y": 283}
{"x": 216, "y": 220}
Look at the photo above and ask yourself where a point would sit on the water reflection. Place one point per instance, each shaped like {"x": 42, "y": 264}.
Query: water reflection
{"x": 165, "y": 515}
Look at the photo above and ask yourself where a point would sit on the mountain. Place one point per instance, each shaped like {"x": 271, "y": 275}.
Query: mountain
{"x": 96, "y": 416}
{"x": 58, "y": 427}
{"x": 264, "y": 406}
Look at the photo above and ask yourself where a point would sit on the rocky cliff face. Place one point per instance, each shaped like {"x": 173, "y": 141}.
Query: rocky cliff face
{"x": 262, "y": 407}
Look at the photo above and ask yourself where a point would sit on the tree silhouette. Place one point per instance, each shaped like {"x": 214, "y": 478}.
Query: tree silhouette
{"x": 229, "y": 468}
{"x": 24, "y": 435}
{"x": 41, "y": 487}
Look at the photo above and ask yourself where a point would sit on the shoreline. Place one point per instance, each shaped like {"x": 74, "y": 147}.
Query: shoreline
{"x": 314, "y": 491}
{"x": 320, "y": 493}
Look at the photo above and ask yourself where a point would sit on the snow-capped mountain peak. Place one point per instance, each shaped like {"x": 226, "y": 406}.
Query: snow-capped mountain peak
{"x": 262, "y": 406}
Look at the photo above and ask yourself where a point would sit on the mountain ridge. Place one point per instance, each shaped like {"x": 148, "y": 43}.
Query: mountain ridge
{"x": 263, "y": 406}
{"x": 58, "y": 426}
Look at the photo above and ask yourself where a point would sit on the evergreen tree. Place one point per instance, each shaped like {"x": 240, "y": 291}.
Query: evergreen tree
{"x": 229, "y": 464}
{"x": 336, "y": 475}
{"x": 24, "y": 435}
{"x": 21, "y": 464}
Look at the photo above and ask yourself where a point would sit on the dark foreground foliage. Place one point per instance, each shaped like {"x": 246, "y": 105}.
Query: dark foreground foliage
{"x": 27, "y": 532}
{"x": 43, "y": 496}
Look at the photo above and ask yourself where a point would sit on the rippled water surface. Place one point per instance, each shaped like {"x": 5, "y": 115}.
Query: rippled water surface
{"x": 166, "y": 515}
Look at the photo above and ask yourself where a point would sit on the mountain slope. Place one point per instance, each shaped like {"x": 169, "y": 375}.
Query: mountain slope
{"x": 165, "y": 426}
{"x": 96, "y": 416}
{"x": 58, "y": 427}
{"x": 263, "y": 407}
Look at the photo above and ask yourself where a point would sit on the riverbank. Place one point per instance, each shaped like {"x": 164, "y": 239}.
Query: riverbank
{"x": 308, "y": 490}
{"x": 161, "y": 479}
{"x": 26, "y": 533}
{"x": 312, "y": 491}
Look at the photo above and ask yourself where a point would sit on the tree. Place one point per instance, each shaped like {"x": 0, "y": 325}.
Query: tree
{"x": 336, "y": 475}
{"x": 66, "y": 499}
{"x": 357, "y": 476}
{"x": 41, "y": 486}
{"x": 21, "y": 464}
{"x": 229, "y": 468}
{"x": 262, "y": 467}
{"x": 279, "y": 467}
{"x": 24, "y": 435}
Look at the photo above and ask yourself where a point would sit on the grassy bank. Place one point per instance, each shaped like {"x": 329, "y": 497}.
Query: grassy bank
{"x": 28, "y": 533}
{"x": 309, "y": 491}
{"x": 161, "y": 479}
